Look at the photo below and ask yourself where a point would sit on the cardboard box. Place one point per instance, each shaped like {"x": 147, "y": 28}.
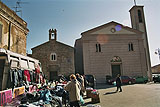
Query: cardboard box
{"x": 95, "y": 98}
{"x": 88, "y": 92}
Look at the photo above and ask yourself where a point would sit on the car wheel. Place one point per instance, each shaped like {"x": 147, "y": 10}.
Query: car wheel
{"x": 145, "y": 81}
{"x": 129, "y": 82}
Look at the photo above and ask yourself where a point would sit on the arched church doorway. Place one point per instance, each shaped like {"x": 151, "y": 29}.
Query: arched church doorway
{"x": 116, "y": 64}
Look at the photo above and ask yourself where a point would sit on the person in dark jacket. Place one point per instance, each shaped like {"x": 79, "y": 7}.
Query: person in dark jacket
{"x": 118, "y": 83}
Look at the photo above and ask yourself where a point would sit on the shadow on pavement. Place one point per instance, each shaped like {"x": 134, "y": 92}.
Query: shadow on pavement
{"x": 110, "y": 93}
{"x": 103, "y": 86}
{"x": 89, "y": 103}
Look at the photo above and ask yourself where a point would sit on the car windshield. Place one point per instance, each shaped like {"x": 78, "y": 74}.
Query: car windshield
{"x": 124, "y": 77}
{"x": 89, "y": 77}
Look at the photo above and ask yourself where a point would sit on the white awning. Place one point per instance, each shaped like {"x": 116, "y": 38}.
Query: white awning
{"x": 14, "y": 64}
{"x": 31, "y": 65}
{"x": 24, "y": 64}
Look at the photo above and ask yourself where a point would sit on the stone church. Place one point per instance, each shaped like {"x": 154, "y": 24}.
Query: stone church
{"x": 113, "y": 48}
{"x": 56, "y": 58}
{"x": 13, "y": 31}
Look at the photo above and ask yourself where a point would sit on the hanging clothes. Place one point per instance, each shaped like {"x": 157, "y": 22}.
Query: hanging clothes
{"x": 21, "y": 76}
{"x": 37, "y": 70}
{"x": 10, "y": 83}
{"x": 27, "y": 74}
{"x": 11, "y": 74}
{"x": 31, "y": 76}
{"x": 16, "y": 78}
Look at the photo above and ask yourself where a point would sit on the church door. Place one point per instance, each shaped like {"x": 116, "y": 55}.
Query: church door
{"x": 53, "y": 75}
{"x": 116, "y": 69}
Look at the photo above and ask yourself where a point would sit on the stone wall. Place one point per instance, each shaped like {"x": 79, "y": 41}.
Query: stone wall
{"x": 65, "y": 58}
{"x": 16, "y": 37}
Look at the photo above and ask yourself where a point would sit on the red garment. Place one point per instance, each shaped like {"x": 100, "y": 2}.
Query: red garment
{"x": 37, "y": 70}
{"x": 27, "y": 74}
{"x": 41, "y": 79}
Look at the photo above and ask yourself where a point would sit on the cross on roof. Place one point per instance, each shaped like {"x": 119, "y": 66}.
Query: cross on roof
{"x": 135, "y": 2}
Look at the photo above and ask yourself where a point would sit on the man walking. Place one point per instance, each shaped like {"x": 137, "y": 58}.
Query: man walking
{"x": 118, "y": 83}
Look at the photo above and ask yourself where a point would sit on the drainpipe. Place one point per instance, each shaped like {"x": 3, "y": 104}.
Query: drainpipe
{"x": 9, "y": 35}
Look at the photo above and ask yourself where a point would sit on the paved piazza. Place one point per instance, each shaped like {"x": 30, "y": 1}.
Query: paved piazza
{"x": 137, "y": 95}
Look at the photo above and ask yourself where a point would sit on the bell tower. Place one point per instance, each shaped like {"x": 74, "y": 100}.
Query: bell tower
{"x": 52, "y": 34}
{"x": 138, "y": 23}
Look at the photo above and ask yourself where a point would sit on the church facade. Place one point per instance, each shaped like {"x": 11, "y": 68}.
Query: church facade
{"x": 113, "y": 48}
{"x": 56, "y": 58}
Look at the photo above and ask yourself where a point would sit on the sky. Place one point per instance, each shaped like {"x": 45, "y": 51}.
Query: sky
{"x": 72, "y": 17}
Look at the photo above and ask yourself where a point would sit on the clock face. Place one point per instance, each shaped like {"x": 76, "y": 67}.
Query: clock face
{"x": 113, "y": 30}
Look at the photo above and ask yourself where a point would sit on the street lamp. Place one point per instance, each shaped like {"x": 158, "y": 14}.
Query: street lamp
{"x": 158, "y": 52}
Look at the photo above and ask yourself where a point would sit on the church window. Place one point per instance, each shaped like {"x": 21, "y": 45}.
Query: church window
{"x": 98, "y": 47}
{"x": 1, "y": 26}
{"x": 53, "y": 57}
{"x": 130, "y": 47}
{"x": 139, "y": 16}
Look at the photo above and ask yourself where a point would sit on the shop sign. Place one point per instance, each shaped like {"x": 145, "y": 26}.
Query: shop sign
{"x": 5, "y": 97}
{"x": 18, "y": 91}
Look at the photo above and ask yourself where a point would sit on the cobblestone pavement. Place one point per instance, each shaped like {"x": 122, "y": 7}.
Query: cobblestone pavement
{"x": 136, "y": 95}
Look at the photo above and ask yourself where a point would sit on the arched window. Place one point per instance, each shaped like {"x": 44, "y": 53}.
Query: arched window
{"x": 130, "y": 47}
{"x": 98, "y": 47}
{"x": 139, "y": 16}
{"x": 53, "y": 57}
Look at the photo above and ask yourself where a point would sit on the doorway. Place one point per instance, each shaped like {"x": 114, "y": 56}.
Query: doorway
{"x": 53, "y": 75}
{"x": 2, "y": 63}
{"x": 116, "y": 69}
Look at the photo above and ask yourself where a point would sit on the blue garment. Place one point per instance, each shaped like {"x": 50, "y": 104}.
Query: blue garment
{"x": 20, "y": 75}
{"x": 45, "y": 96}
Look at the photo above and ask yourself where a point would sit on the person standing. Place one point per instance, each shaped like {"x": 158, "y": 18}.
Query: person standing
{"x": 73, "y": 87}
{"x": 82, "y": 86}
{"x": 78, "y": 77}
{"x": 118, "y": 83}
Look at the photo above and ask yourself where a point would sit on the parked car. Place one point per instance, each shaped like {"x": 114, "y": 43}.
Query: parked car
{"x": 156, "y": 78}
{"x": 124, "y": 79}
{"x": 141, "y": 79}
{"x": 108, "y": 77}
{"x": 90, "y": 81}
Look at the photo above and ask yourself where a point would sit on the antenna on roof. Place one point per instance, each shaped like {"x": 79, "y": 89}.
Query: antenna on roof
{"x": 135, "y": 2}
{"x": 18, "y": 6}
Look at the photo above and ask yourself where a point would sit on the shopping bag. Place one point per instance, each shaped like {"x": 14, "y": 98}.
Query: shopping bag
{"x": 81, "y": 100}
{"x": 114, "y": 83}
